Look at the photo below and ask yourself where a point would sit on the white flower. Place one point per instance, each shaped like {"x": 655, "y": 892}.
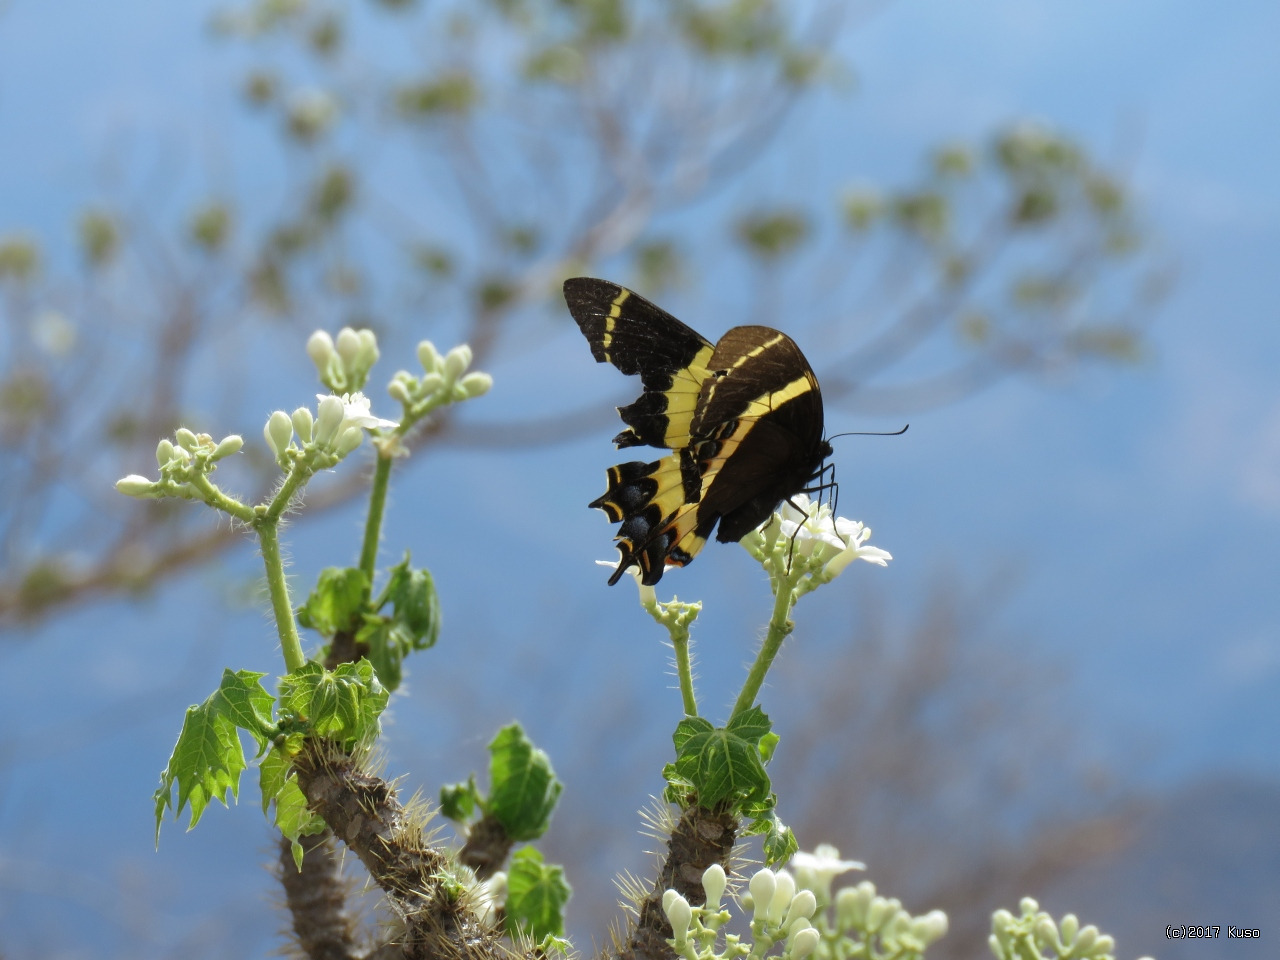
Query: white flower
{"x": 815, "y": 871}
{"x": 648, "y": 596}
{"x": 832, "y": 541}
{"x": 356, "y": 413}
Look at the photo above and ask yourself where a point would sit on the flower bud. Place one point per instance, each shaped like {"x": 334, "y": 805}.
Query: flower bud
{"x": 679, "y": 913}
{"x": 320, "y": 350}
{"x": 134, "y": 485}
{"x": 302, "y": 424}
{"x": 348, "y": 440}
{"x": 1069, "y": 926}
{"x": 329, "y": 416}
{"x": 1105, "y": 945}
{"x": 804, "y": 943}
{"x": 803, "y": 905}
{"x": 762, "y": 886}
{"x": 456, "y": 361}
{"x": 368, "y": 348}
{"x": 164, "y": 452}
{"x": 1028, "y": 905}
{"x": 1085, "y": 941}
{"x": 397, "y": 390}
{"x": 713, "y": 882}
{"x": 429, "y": 357}
{"x": 227, "y": 446}
{"x": 186, "y": 439}
{"x": 476, "y": 384}
{"x": 932, "y": 926}
{"x": 348, "y": 345}
{"x": 783, "y": 891}
{"x": 430, "y": 385}
{"x": 278, "y": 432}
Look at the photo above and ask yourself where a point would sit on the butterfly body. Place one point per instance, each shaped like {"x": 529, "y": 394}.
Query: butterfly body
{"x": 742, "y": 417}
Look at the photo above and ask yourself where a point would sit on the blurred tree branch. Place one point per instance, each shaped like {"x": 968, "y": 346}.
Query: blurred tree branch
{"x": 460, "y": 161}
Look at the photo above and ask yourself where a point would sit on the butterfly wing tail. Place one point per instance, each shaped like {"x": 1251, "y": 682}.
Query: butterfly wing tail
{"x": 656, "y": 505}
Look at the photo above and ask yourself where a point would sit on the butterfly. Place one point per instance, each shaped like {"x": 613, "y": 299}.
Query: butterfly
{"x": 742, "y": 418}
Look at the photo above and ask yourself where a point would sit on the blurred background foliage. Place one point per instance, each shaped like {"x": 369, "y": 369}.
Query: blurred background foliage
{"x": 437, "y": 169}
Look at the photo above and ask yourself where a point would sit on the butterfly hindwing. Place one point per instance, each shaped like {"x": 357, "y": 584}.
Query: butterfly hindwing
{"x": 743, "y": 419}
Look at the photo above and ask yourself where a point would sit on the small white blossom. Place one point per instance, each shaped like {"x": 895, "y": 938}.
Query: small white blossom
{"x": 816, "y": 870}
{"x": 356, "y": 413}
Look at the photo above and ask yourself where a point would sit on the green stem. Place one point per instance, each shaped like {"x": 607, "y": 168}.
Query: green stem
{"x": 684, "y": 670}
{"x": 373, "y": 522}
{"x": 294, "y": 480}
{"x": 278, "y": 588}
{"x": 780, "y": 626}
{"x": 215, "y": 498}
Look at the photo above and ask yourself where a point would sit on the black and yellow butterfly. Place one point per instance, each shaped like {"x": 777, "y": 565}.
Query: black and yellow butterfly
{"x": 742, "y": 417}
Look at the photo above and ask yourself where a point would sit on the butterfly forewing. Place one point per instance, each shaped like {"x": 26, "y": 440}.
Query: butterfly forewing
{"x": 744, "y": 419}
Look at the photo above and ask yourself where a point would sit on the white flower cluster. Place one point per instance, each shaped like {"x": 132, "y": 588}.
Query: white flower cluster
{"x": 336, "y": 429}
{"x": 811, "y": 542}
{"x": 344, "y": 364}
{"x": 794, "y": 911}
{"x": 1029, "y": 936}
{"x": 444, "y": 380}
{"x": 189, "y": 456}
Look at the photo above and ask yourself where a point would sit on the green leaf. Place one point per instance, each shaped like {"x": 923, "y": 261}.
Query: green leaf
{"x": 536, "y": 896}
{"x": 293, "y": 817}
{"x": 414, "y": 623}
{"x": 244, "y": 701}
{"x": 722, "y": 764}
{"x": 343, "y": 704}
{"x": 336, "y": 602}
{"x": 523, "y": 788}
{"x": 458, "y": 801}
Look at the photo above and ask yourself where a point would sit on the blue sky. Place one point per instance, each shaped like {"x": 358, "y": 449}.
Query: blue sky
{"x": 1141, "y": 508}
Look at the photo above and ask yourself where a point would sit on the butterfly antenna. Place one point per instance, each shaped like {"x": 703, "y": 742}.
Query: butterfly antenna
{"x": 871, "y": 433}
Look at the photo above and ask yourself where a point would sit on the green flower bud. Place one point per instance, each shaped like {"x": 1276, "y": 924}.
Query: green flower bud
{"x": 804, "y": 943}
{"x": 783, "y": 891}
{"x": 852, "y": 904}
{"x": 397, "y": 390}
{"x": 302, "y": 424}
{"x": 802, "y": 906}
{"x": 1085, "y": 941}
{"x": 1028, "y": 906}
{"x": 348, "y": 440}
{"x": 164, "y": 452}
{"x": 329, "y": 417}
{"x": 186, "y": 439}
{"x": 1069, "y": 925}
{"x": 476, "y": 384}
{"x": 430, "y": 385}
{"x": 227, "y": 446}
{"x": 320, "y": 350}
{"x": 713, "y": 882}
{"x": 762, "y": 886}
{"x": 456, "y": 361}
{"x": 1105, "y": 945}
{"x": 278, "y": 432}
{"x": 679, "y": 913}
{"x": 429, "y": 357}
{"x": 368, "y": 348}
{"x": 348, "y": 345}
{"x": 932, "y": 926}
{"x": 135, "y": 486}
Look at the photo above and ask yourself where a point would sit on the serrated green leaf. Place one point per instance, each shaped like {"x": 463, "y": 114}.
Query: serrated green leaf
{"x": 413, "y": 624}
{"x": 343, "y": 704}
{"x": 458, "y": 801}
{"x": 523, "y": 788}
{"x": 536, "y": 896}
{"x": 292, "y": 815}
{"x": 336, "y": 602}
{"x": 247, "y": 704}
{"x": 206, "y": 762}
{"x": 780, "y": 843}
{"x": 721, "y": 765}
{"x": 751, "y": 725}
